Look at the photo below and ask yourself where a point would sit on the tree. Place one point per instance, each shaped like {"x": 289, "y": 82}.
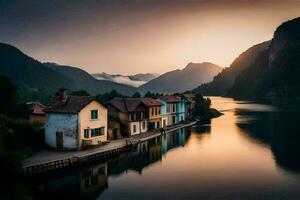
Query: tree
{"x": 202, "y": 106}
{"x": 153, "y": 95}
{"x": 80, "y": 93}
{"x": 136, "y": 95}
{"x": 106, "y": 97}
{"x": 8, "y": 95}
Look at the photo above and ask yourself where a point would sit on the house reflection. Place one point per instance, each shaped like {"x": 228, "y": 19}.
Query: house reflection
{"x": 148, "y": 152}
{"x": 90, "y": 182}
{"x": 86, "y": 183}
{"x": 93, "y": 180}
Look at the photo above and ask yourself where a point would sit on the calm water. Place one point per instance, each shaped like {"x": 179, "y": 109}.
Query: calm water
{"x": 251, "y": 152}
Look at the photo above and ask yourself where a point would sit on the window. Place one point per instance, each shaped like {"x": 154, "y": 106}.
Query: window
{"x": 132, "y": 116}
{"x": 155, "y": 111}
{"x": 94, "y": 114}
{"x": 86, "y": 133}
{"x": 138, "y": 116}
{"x": 157, "y": 124}
{"x": 97, "y": 131}
{"x": 144, "y": 125}
{"x": 159, "y": 111}
{"x": 134, "y": 128}
{"x": 152, "y": 111}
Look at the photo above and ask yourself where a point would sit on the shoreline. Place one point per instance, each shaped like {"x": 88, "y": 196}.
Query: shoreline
{"x": 49, "y": 160}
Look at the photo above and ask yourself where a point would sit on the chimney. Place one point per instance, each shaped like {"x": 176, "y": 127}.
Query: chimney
{"x": 63, "y": 95}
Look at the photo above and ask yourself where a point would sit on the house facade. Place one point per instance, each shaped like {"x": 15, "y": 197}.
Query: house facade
{"x": 154, "y": 112}
{"x": 36, "y": 114}
{"x": 175, "y": 109}
{"x": 164, "y": 114}
{"x": 73, "y": 122}
{"x": 131, "y": 115}
{"x": 190, "y": 102}
{"x": 181, "y": 109}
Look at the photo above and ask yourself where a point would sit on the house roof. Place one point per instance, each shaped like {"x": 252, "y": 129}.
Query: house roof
{"x": 150, "y": 102}
{"x": 72, "y": 104}
{"x": 170, "y": 99}
{"x": 127, "y": 104}
{"x": 35, "y": 108}
{"x": 189, "y": 95}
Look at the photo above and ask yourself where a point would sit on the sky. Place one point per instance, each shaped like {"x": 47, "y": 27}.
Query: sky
{"x": 140, "y": 36}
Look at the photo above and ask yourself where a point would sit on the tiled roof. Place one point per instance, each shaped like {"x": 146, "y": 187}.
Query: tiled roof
{"x": 35, "y": 108}
{"x": 127, "y": 104}
{"x": 170, "y": 99}
{"x": 73, "y": 104}
{"x": 150, "y": 102}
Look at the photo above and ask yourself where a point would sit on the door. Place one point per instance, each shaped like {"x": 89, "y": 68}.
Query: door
{"x": 59, "y": 140}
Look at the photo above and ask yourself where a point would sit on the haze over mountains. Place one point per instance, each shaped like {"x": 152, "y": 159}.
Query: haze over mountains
{"x": 268, "y": 69}
{"x": 182, "y": 80}
{"x": 38, "y": 81}
{"x": 132, "y": 80}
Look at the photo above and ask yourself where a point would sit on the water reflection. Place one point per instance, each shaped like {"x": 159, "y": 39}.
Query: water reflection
{"x": 280, "y": 130}
{"x": 250, "y": 152}
{"x": 90, "y": 182}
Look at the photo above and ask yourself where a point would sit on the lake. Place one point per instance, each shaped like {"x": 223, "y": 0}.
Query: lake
{"x": 250, "y": 152}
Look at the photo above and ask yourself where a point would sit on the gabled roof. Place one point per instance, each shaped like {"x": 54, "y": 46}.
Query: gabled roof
{"x": 35, "y": 108}
{"x": 72, "y": 104}
{"x": 127, "y": 104}
{"x": 150, "y": 102}
{"x": 170, "y": 99}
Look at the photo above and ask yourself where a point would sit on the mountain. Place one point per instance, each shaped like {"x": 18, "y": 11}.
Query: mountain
{"x": 225, "y": 79}
{"x": 276, "y": 71}
{"x": 38, "y": 81}
{"x": 132, "y": 80}
{"x": 181, "y": 80}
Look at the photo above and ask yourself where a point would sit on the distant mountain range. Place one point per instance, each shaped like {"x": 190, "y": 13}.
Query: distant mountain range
{"x": 267, "y": 70}
{"x": 182, "y": 80}
{"x": 276, "y": 70}
{"x": 38, "y": 81}
{"x": 133, "y": 80}
{"x": 223, "y": 82}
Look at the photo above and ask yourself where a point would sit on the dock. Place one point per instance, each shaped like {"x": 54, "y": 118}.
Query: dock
{"x": 48, "y": 160}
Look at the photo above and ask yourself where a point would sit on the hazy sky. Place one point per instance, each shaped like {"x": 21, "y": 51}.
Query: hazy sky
{"x": 132, "y": 36}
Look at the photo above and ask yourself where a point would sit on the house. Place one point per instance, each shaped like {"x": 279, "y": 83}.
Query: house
{"x": 181, "y": 109}
{"x": 190, "y": 102}
{"x": 154, "y": 112}
{"x": 164, "y": 114}
{"x": 131, "y": 115}
{"x": 36, "y": 112}
{"x": 175, "y": 109}
{"x": 73, "y": 122}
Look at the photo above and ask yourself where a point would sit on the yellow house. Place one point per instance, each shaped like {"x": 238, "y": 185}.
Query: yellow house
{"x": 73, "y": 122}
{"x": 154, "y": 107}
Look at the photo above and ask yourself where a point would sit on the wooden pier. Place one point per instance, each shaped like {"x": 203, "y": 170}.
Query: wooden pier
{"x": 51, "y": 160}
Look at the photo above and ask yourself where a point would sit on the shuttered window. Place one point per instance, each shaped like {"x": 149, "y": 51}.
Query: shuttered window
{"x": 94, "y": 114}
{"x": 86, "y": 133}
{"x": 97, "y": 132}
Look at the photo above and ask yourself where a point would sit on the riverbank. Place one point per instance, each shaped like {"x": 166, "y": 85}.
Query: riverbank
{"x": 47, "y": 160}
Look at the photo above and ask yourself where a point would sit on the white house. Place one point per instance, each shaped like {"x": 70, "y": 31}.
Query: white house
{"x": 73, "y": 122}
